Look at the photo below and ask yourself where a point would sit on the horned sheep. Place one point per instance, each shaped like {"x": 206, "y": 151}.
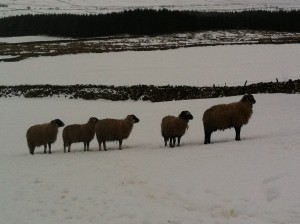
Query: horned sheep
{"x": 224, "y": 116}
{"x": 43, "y": 134}
{"x": 79, "y": 133}
{"x": 174, "y": 127}
{"x": 114, "y": 130}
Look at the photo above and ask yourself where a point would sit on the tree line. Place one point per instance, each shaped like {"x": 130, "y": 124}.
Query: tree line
{"x": 146, "y": 22}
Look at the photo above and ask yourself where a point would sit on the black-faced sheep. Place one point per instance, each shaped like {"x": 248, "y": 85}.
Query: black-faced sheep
{"x": 114, "y": 130}
{"x": 175, "y": 127}
{"x": 79, "y": 133}
{"x": 43, "y": 134}
{"x": 224, "y": 116}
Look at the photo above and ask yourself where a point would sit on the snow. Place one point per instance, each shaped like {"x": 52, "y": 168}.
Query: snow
{"x": 24, "y": 39}
{"x": 252, "y": 181}
{"x": 198, "y": 66}
{"x": 17, "y": 7}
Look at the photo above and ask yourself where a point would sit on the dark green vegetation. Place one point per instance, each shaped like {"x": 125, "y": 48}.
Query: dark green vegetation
{"x": 144, "y": 92}
{"x": 147, "y": 22}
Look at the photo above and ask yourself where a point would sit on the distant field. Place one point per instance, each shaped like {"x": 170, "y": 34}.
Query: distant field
{"x": 17, "y": 7}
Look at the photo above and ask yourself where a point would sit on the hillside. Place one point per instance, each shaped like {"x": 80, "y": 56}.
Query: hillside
{"x": 252, "y": 181}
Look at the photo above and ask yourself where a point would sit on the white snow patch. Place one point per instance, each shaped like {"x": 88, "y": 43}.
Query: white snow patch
{"x": 198, "y": 66}
{"x": 17, "y": 7}
{"x": 252, "y": 181}
{"x": 23, "y": 39}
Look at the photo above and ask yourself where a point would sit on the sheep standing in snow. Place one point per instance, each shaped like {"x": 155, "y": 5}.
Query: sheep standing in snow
{"x": 224, "y": 116}
{"x": 79, "y": 133}
{"x": 114, "y": 130}
{"x": 175, "y": 127}
{"x": 43, "y": 134}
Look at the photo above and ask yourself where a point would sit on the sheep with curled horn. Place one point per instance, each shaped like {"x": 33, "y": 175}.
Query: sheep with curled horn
{"x": 114, "y": 130}
{"x": 224, "y": 116}
{"x": 79, "y": 133}
{"x": 174, "y": 127}
{"x": 43, "y": 134}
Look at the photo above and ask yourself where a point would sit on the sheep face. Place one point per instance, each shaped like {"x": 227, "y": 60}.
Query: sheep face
{"x": 133, "y": 118}
{"x": 248, "y": 99}
{"x": 58, "y": 122}
{"x": 93, "y": 120}
{"x": 186, "y": 115}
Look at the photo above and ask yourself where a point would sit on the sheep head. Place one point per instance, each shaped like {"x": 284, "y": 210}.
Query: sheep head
{"x": 58, "y": 122}
{"x": 93, "y": 120}
{"x": 132, "y": 118}
{"x": 186, "y": 115}
{"x": 248, "y": 98}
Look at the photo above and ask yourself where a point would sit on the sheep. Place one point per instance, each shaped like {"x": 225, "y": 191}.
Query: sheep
{"x": 172, "y": 127}
{"x": 114, "y": 130}
{"x": 79, "y": 133}
{"x": 224, "y": 116}
{"x": 43, "y": 134}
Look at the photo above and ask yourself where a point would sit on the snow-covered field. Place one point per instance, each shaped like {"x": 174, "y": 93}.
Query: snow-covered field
{"x": 17, "y": 7}
{"x": 253, "y": 181}
{"x": 199, "y": 66}
{"x": 25, "y": 39}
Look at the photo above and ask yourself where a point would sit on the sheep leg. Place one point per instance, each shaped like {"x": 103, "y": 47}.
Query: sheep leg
{"x": 31, "y": 149}
{"x": 178, "y": 140}
{"x": 238, "y": 133}
{"x": 87, "y": 146}
{"x": 69, "y": 147}
{"x": 104, "y": 145}
{"x": 45, "y": 148}
{"x": 49, "y": 146}
{"x": 84, "y": 148}
{"x": 99, "y": 142}
{"x": 172, "y": 142}
{"x": 166, "y": 141}
{"x": 120, "y": 144}
{"x": 207, "y": 137}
